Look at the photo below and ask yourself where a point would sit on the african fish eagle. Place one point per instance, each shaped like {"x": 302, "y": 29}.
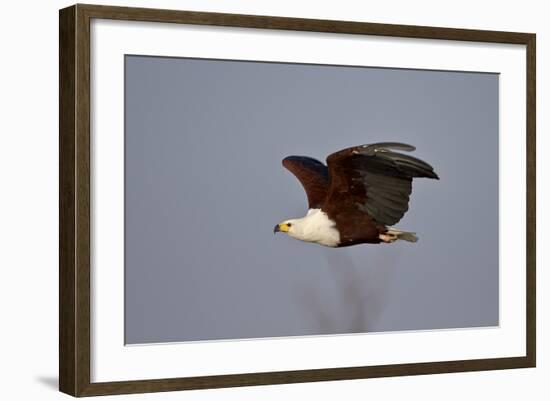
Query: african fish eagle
{"x": 357, "y": 196}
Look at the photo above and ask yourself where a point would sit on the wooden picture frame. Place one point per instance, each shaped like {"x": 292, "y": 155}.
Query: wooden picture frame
{"x": 74, "y": 204}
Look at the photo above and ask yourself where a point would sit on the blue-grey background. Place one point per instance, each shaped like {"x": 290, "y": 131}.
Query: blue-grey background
{"x": 204, "y": 187}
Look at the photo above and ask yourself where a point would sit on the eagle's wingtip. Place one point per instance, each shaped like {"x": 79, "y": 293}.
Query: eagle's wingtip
{"x": 288, "y": 159}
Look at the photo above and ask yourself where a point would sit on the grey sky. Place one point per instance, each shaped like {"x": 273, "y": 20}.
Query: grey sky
{"x": 205, "y": 186}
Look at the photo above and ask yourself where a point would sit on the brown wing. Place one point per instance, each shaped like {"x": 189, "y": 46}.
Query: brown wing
{"x": 374, "y": 180}
{"x": 313, "y": 175}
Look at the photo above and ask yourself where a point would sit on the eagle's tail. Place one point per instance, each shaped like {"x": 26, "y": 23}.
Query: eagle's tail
{"x": 393, "y": 234}
{"x": 407, "y": 236}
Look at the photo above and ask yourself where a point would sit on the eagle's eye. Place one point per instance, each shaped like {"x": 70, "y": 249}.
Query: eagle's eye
{"x": 289, "y": 224}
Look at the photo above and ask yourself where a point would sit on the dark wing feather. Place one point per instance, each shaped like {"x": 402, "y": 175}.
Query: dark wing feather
{"x": 313, "y": 175}
{"x": 378, "y": 179}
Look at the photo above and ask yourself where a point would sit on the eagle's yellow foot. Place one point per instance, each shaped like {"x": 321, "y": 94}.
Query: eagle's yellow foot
{"x": 388, "y": 237}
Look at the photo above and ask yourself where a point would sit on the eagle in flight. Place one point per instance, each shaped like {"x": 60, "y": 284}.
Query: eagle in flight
{"x": 357, "y": 196}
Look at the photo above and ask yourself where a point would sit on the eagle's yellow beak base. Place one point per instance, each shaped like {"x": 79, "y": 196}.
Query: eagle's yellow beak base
{"x": 280, "y": 228}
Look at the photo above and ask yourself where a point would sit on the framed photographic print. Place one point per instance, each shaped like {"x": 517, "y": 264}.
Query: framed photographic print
{"x": 251, "y": 200}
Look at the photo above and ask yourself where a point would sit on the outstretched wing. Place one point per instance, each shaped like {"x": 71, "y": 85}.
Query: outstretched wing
{"x": 376, "y": 178}
{"x": 313, "y": 175}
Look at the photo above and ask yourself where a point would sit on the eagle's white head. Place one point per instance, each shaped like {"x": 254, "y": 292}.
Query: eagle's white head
{"x": 316, "y": 227}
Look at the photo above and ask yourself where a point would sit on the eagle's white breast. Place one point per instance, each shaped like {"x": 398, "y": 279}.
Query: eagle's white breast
{"x": 316, "y": 227}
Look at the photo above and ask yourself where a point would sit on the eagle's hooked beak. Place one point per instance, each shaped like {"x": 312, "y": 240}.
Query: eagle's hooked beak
{"x": 283, "y": 227}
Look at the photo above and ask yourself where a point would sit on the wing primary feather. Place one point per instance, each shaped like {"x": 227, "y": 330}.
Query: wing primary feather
{"x": 386, "y": 146}
{"x": 409, "y": 165}
{"x": 379, "y": 178}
